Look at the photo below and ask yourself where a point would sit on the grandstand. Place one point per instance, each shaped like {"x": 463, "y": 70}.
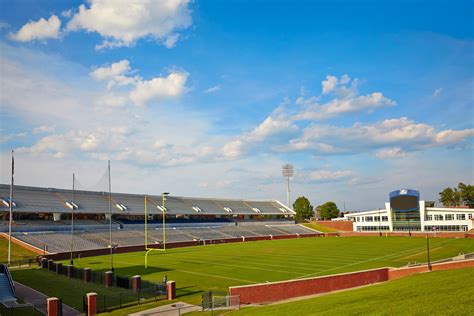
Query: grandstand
{"x": 42, "y": 218}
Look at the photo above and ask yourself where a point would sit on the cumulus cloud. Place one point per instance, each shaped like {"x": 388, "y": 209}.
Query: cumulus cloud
{"x": 140, "y": 91}
{"x": 401, "y": 133}
{"x": 38, "y": 30}
{"x": 123, "y": 22}
{"x": 159, "y": 88}
{"x": 273, "y": 125}
{"x": 115, "y": 74}
{"x": 390, "y": 153}
{"x": 347, "y": 100}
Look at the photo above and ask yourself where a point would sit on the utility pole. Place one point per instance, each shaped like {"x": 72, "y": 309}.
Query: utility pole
{"x": 110, "y": 223}
{"x": 10, "y": 206}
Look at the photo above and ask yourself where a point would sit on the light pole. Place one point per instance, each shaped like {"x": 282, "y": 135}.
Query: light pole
{"x": 72, "y": 220}
{"x": 110, "y": 223}
{"x": 163, "y": 199}
{"x": 287, "y": 170}
{"x": 428, "y": 251}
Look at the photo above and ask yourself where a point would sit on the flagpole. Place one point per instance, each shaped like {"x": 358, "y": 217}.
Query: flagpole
{"x": 10, "y": 203}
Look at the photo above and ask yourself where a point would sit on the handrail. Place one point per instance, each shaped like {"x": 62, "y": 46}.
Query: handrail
{"x": 4, "y": 267}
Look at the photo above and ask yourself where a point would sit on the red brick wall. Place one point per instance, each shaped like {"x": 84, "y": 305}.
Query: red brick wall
{"x": 339, "y": 225}
{"x": 396, "y": 273}
{"x": 276, "y": 291}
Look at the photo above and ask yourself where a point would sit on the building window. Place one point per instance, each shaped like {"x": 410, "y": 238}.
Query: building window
{"x": 369, "y": 219}
{"x": 429, "y": 218}
{"x": 384, "y": 218}
{"x": 438, "y": 217}
{"x": 461, "y": 217}
{"x": 469, "y": 216}
{"x": 377, "y": 218}
{"x": 450, "y": 217}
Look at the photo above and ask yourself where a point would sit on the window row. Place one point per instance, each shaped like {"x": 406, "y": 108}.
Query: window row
{"x": 447, "y": 228}
{"x": 447, "y": 217}
{"x": 372, "y": 228}
{"x": 371, "y": 219}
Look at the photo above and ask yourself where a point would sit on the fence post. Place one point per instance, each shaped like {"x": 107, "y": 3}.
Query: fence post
{"x": 70, "y": 271}
{"x": 136, "y": 283}
{"x": 50, "y": 264}
{"x": 171, "y": 290}
{"x": 59, "y": 267}
{"x": 53, "y": 306}
{"x": 108, "y": 278}
{"x": 86, "y": 275}
{"x": 91, "y": 304}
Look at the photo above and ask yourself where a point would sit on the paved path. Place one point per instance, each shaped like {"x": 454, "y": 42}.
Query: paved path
{"x": 34, "y": 297}
{"x": 174, "y": 309}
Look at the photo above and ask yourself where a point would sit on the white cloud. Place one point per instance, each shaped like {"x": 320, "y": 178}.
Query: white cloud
{"x": 341, "y": 106}
{"x": 390, "y": 153}
{"x": 171, "y": 40}
{"x": 123, "y": 22}
{"x": 401, "y": 133}
{"x": 326, "y": 175}
{"x": 141, "y": 91}
{"x": 212, "y": 89}
{"x": 159, "y": 88}
{"x": 276, "y": 124}
{"x": 44, "y": 129}
{"x": 115, "y": 74}
{"x": 329, "y": 84}
{"x": 39, "y": 30}
{"x": 437, "y": 92}
{"x": 347, "y": 100}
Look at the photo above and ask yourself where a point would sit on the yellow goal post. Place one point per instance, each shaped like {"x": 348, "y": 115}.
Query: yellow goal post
{"x": 148, "y": 249}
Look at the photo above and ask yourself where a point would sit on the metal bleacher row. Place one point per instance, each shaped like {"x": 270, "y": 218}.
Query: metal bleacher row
{"x": 51, "y": 200}
{"x": 60, "y": 241}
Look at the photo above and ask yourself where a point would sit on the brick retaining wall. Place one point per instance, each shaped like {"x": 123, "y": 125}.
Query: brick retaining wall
{"x": 277, "y": 291}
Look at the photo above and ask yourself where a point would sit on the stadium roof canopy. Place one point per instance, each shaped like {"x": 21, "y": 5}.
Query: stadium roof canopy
{"x": 50, "y": 200}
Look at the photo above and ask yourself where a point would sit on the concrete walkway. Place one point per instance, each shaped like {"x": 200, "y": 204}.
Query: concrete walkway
{"x": 174, "y": 309}
{"x": 34, "y": 297}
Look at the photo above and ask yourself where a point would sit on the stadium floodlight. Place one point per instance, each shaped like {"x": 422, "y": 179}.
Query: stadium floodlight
{"x": 287, "y": 170}
{"x": 163, "y": 209}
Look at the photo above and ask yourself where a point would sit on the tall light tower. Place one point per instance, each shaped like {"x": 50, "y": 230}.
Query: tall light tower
{"x": 288, "y": 173}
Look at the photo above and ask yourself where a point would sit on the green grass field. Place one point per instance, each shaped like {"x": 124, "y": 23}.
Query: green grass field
{"x": 216, "y": 267}
{"x": 320, "y": 227}
{"x": 17, "y": 251}
{"x": 437, "y": 293}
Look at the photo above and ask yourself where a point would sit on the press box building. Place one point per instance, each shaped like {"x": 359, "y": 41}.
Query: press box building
{"x": 406, "y": 212}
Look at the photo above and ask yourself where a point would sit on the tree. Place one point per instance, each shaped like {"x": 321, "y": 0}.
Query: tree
{"x": 328, "y": 210}
{"x": 466, "y": 193}
{"x": 449, "y": 197}
{"x": 303, "y": 208}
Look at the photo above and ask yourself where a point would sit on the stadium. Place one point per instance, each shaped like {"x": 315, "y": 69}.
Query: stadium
{"x": 142, "y": 252}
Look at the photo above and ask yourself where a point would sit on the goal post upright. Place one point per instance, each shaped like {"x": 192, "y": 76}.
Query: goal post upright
{"x": 148, "y": 249}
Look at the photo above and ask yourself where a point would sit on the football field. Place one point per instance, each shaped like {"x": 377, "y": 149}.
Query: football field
{"x": 216, "y": 267}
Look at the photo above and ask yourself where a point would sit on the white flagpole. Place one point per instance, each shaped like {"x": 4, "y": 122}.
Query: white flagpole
{"x": 11, "y": 214}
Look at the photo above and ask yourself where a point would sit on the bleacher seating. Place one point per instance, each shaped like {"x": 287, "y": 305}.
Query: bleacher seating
{"x": 133, "y": 234}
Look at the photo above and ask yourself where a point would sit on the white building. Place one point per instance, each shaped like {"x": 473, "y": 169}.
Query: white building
{"x": 406, "y": 212}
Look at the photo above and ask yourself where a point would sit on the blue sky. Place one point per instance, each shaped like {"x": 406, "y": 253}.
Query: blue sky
{"x": 210, "y": 98}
